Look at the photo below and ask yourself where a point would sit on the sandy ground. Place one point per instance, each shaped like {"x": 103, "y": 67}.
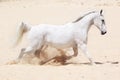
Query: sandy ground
{"x": 104, "y": 49}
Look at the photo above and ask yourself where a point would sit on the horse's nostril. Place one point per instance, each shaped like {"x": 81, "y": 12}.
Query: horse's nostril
{"x": 103, "y": 32}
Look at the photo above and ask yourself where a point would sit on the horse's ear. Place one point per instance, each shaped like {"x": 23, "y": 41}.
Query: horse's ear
{"x": 101, "y": 12}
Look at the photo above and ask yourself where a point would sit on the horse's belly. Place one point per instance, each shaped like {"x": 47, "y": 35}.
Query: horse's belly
{"x": 60, "y": 46}
{"x": 60, "y": 43}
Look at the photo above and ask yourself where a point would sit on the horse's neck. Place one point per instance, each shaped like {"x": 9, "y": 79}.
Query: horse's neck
{"x": 86, "y": 22}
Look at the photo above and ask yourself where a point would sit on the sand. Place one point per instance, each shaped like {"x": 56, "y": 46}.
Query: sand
{"x": 104, "y": 49}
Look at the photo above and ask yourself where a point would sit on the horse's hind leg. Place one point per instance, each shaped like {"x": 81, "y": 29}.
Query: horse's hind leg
{"x": 38, "y": 51}
{"x": 21, "y": 53}
{"x": 19, "y": 57}
{"x": 27, "y": 50}
{"x": 42, "y": 48}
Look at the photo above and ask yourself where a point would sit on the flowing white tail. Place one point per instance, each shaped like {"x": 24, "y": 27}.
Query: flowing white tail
{"x": 21, "y": 29}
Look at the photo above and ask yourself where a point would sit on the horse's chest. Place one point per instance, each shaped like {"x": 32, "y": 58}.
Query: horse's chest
{"x": 81, "y": 36}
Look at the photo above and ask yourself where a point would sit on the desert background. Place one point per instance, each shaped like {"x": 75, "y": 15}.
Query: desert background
{"x": 104, "y": 49}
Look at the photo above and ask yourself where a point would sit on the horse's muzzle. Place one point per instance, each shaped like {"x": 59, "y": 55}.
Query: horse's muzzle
{"x": 103, "y": 33}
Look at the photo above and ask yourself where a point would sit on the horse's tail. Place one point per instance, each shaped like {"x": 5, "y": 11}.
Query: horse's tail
{"x": 21, "y": 29}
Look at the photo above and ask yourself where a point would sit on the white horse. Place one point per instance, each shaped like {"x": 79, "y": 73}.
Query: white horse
{"x": 72, "y": 34}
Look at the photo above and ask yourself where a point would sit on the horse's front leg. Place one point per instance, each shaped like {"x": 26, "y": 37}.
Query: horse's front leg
{"x": 83, "y": 47}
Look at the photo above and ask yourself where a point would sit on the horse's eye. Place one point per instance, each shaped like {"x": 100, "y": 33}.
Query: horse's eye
{"x": 103, "y": 21}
